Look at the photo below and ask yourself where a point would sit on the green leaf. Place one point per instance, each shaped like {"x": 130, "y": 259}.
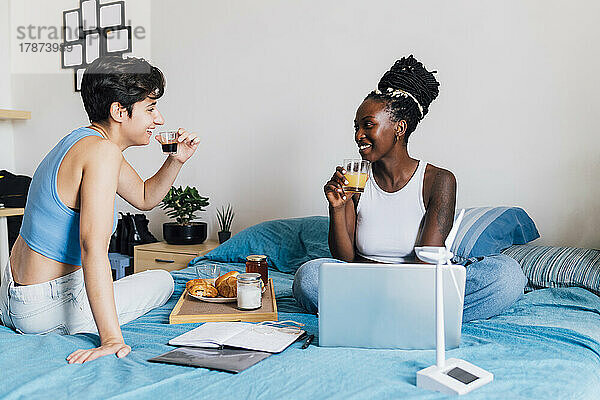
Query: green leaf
{"x": 182, "y": 204}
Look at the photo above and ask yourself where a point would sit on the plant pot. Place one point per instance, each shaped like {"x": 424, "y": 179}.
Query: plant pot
{"x": 224, "y": 236}
{"x": 194, "y": 233}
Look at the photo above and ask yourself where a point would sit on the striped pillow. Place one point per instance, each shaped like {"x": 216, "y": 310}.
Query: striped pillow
{"x": 548, "y": 266}
{"x": 486, "y": 231}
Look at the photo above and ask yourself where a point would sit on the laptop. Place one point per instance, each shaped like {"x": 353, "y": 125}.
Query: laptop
{"x": 389, "y": 306}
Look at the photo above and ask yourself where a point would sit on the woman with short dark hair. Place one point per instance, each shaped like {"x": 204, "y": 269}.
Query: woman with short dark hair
{"x": 58, "y": 278}
{"x": 406, "y": 202}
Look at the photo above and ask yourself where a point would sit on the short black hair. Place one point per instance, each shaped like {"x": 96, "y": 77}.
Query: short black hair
{"x": 112, "y": 79}
{"x": 409, "y": 75}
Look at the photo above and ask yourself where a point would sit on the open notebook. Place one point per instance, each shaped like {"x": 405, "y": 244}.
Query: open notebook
{"x": 260, "y": 337}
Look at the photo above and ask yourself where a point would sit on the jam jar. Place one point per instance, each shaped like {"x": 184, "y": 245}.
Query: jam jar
{"x": 258, "y": 263}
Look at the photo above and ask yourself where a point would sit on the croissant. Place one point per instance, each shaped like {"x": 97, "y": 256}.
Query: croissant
{"x": 204, "y": 290}
{"x": 227, "y": 284}
{"x": 195, "y": 282}
{"x": 225, "y": 276}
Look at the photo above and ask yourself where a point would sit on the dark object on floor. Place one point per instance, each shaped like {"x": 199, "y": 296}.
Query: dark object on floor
{"x": 131, "y": 231}
{"x": 13, "y": 193}
{"x": 115, "y": 239}
{"x": 133, "y": 236}
{"x": 142, "y": 225}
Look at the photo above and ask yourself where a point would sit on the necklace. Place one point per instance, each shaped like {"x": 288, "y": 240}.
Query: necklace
{"x": 99, "y": 130}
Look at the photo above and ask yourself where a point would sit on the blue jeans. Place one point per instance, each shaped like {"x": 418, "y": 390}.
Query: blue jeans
{"x": 62, "y": 306}
{"x": 493, "y": 284}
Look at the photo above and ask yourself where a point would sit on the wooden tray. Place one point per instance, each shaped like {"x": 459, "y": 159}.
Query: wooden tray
{"x": 189, "y": 309}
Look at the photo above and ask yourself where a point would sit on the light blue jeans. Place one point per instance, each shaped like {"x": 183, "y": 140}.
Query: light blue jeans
{"x": 493, "y": 284}
{"x": 62, "y": 306}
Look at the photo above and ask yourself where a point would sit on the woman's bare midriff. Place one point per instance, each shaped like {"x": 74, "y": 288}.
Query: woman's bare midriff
{"x": 30, "y": 267}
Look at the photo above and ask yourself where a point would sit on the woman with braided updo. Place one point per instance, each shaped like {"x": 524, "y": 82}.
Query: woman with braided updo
{"x": 406, "y": 202}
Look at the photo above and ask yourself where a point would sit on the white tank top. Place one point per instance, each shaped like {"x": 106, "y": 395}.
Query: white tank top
{"x": 387, "y": 224}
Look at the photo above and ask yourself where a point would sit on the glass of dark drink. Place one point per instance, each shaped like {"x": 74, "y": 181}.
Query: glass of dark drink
{"x": 168, "y": 139}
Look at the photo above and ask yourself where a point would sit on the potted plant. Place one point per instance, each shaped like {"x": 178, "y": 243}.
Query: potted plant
{"x": 225, "y": 218}
{"x": 181, "y": 205}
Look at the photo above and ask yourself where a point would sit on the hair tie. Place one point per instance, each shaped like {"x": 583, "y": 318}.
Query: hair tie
{"x": 391, "y": 92}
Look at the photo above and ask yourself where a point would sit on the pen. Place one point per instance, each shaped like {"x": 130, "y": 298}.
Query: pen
{"x": 301, "y": 337}
{"x": 308, "y": 341}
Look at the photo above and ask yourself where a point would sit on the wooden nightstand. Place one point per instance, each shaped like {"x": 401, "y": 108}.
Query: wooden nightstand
{"x": 170, "y": 257}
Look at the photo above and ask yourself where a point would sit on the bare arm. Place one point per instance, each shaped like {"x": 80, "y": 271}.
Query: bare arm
{"x": 97, "y": 197}
{"x": 439, "y": 214}
{"x": 341, "y": 232}
{"x": 342, "y": 218}
{"x": 146, "y": 195}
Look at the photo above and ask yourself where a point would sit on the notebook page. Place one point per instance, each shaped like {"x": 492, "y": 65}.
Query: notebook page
{"x": 263, "y": 338}
{"x": 210, "y": 334}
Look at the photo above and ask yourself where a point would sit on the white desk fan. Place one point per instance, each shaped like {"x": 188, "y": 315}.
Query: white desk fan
{"x": 452, "y": 376}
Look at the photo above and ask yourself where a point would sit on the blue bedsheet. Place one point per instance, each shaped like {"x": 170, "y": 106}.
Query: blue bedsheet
{"x": 547, "y": 346}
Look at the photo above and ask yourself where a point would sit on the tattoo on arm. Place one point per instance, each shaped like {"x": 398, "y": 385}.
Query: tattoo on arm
{"x": 444, "y": 202}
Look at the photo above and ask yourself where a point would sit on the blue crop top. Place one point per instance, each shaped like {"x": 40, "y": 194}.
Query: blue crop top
{"x": 50, "y": 227}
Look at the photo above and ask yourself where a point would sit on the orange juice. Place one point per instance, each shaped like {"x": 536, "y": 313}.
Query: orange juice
{"x": 356, "y": 182}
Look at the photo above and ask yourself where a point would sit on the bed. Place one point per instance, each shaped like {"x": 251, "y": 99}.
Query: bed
{"x": 547, "y": 345}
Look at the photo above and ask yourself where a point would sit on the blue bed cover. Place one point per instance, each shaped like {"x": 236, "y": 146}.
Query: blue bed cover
{"x": 546, "y": 346}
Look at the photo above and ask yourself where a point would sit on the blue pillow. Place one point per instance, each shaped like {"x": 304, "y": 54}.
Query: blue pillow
{"x": 487, "y": 231}
{"x": 288, "y": 243}
{"x": 552, "y": 266}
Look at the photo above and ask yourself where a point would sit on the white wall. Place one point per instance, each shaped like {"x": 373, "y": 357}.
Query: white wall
{"x": 272, "y": 88}
{"x": 7, "y": 151}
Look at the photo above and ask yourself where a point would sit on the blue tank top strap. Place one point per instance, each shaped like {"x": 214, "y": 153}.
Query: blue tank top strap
{"x": 50, "y": 227}
{"x": 64, "y": 146}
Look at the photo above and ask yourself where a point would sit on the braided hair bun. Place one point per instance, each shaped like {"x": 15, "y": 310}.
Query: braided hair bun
{"x": 410, "y": 75}
{"x": 415, "y": 84}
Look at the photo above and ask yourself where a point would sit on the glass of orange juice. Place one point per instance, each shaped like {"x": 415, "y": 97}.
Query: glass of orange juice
{"x": 357, "y": 173}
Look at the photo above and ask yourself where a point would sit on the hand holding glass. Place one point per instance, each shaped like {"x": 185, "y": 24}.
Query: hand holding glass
{"x": 357, "y": 173}
{"x": 168, "y": 139}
